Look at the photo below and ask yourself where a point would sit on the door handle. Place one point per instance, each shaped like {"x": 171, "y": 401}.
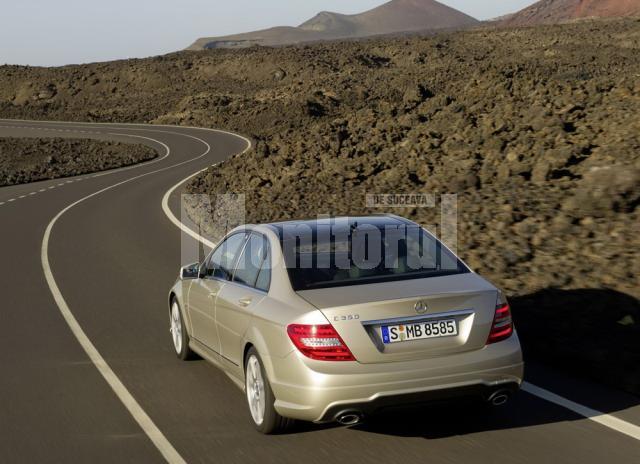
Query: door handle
{"x": 213, "y": 294}
{"x": 244, "y": 302}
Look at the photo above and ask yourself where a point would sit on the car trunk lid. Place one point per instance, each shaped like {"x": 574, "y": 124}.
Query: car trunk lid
{"x": 359, "y": 312}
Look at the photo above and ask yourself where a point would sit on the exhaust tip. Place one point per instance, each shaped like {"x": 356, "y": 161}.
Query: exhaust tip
{"x": 349, "y": 418}
{"x": 499, "y": 397}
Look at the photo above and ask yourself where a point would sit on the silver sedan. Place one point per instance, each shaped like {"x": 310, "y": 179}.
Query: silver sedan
{"x": 330, "y": 320}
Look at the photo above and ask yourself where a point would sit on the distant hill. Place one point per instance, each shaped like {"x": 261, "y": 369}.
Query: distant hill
{"x": 558, "y": 11}
{"x": 396, "y": 16}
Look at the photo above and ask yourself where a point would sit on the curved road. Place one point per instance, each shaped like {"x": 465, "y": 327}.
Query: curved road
{"x": 109, "y": 388}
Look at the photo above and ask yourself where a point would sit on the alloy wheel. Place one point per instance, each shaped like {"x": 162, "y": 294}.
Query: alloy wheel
{"x": 255, "y": 390}
{"x": 176, "y": 328}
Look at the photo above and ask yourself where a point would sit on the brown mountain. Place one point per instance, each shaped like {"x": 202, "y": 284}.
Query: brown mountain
{"x": 558, "y": 11}
{"x": 396, "y": 16}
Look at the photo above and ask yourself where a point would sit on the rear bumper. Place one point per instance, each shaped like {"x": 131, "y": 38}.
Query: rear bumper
{"x": 479, "y": 392}
{"x": 317, "y": 391}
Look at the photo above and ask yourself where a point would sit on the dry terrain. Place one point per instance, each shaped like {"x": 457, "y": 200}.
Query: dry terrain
{"x": 558, "y": 11}
{"x": 24, "y": 160}
{"x": 536, "y": 130}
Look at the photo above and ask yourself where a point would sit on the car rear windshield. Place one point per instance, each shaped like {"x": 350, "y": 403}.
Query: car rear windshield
{"x": 332, "y": 255}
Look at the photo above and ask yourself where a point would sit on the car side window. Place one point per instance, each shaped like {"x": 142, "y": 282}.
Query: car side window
{"x": 250, "y": 262}
{"x": 264, "y": 277}
{"x": 222, "y": 260}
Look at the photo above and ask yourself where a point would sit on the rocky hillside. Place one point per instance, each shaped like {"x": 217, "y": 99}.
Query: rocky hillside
{"x": 24, "y": 160}
{"x": 535, "y": 129}
{"x": 559, "y": 11}
{"x": 396, "y": 16}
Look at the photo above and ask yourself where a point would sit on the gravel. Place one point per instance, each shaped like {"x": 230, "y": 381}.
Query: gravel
{"x": 24, "y": 160}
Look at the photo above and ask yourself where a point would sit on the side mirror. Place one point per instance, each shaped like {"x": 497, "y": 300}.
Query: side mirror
{"x": 192, "y": 271}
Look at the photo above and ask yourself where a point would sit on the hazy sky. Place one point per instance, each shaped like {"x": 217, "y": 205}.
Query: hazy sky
{"x": 56, "y": 32}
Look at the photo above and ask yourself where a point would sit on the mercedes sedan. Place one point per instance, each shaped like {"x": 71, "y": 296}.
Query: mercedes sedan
{"x": 330, "y": 320}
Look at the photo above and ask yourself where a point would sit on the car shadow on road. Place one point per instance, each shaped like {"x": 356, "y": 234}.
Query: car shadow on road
{"x": 571, "y": 339}
{"x": 590, "y": 333}
{"x": 467, "y": 417}
{"x": 442, "y": 421}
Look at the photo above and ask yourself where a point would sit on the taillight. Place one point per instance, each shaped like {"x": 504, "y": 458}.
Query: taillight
{"x": 502, "y": 327}
{"x": 320, "y": 342}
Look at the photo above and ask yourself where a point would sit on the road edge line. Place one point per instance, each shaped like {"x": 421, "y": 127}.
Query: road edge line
{"x": 600, "y": 417}
{"x": 165, "y": 199}
{"x": 147, "y": 425}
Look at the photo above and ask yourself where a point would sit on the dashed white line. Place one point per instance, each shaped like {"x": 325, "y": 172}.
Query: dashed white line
{"x": 29, "y": 194}
{"x": 47, "y": 129}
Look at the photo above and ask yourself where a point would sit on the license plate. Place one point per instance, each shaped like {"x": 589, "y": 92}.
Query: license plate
{"x": 419, "y": 331}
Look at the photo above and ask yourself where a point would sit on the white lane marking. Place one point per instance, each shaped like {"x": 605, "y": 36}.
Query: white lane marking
{"x": 134, "y": 408}
{"x": 41, "y": 190}
{"x": 10, "y": 200}
{"x": 600, "y": 417}
{"x": 44, "y": 129}
{"x": 175, "y": 220}
{"x": 167, "y": 195}
{"x": 1, "y": 203}
{"x": 22, "y": 196}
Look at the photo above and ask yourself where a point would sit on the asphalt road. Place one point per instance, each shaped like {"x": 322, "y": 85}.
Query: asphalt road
{"x": 113, "y": 257}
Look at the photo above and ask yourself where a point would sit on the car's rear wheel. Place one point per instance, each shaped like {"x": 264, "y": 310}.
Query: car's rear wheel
{"x": 179, "y": 335}
{"x": 260, "y": 397}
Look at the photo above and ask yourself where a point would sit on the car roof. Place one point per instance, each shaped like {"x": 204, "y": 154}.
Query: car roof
{"x": 379, "y": 221}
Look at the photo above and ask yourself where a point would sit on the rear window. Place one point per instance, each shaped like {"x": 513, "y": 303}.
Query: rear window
{"x": 323, "y": 255}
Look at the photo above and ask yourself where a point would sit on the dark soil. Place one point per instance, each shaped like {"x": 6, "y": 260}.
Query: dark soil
{"x": 536, "y": 130}
{"x": 24, "y": 160}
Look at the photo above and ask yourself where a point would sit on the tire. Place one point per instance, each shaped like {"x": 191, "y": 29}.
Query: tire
{"x": 260, "y": 398}
{"x": 179, "y": 336}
